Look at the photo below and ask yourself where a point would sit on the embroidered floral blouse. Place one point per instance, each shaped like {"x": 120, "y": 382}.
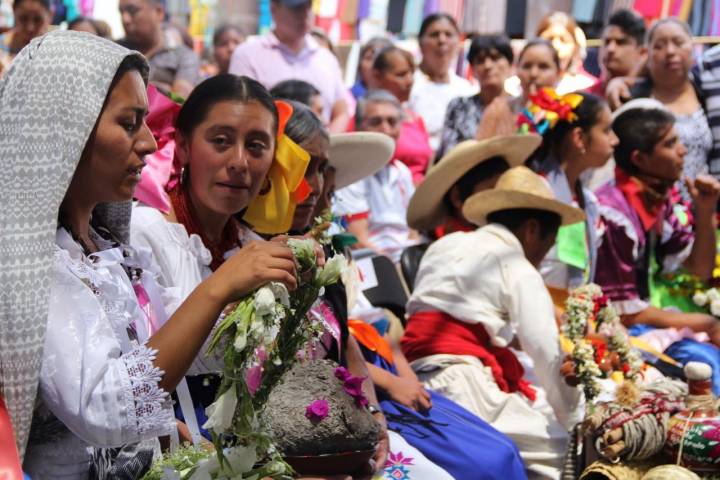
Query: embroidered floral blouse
{"x": 98, "y": 384}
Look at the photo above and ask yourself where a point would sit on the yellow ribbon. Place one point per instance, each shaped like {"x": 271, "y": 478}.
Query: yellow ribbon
{"x": 272, "y": 211}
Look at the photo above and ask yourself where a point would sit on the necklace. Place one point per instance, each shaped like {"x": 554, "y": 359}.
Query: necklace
{"x": 182, "y": 206}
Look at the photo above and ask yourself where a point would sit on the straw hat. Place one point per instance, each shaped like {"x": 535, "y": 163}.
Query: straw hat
{"x": 519, "y": 187}
{"x": 426, "y": 209}
{"x": 358, "y": 155}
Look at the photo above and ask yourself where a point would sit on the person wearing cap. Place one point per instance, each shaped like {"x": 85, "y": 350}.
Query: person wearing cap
{"x": 645, "y": 223}
{"x": 472, "y": 166}
{"x": 289, "y": 51}
{"x": 375, "y": 206}
{"x": 475, "y": 294}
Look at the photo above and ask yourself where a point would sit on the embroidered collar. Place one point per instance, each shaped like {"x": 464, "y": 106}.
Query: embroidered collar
{"x": 648, "y": 204}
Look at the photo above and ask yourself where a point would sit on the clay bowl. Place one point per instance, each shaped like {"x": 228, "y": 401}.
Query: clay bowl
{"x": 331, "y": 464}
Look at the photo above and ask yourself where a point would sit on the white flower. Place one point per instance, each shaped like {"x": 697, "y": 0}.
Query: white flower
{"x": 241, "y": 458}
{"x": 715, "y": 308}
{"x": 713, "y": 294}
{"x": 264, "y": 301}
{"x": 240, "y": 341}
{"x": 332, "y": 270}
{"x": 700, "y": 298}
{"x": 281, "y": 293}
{"x": 304, "y": 250}
{"x": 206, "y": 468}
{"x": 220, "y": 412}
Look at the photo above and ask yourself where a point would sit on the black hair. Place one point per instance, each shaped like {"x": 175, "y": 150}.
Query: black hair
{"x": 432, "y": 18}
{"x": 632, "y": 24}
{"x": 381, "y": 63}
{"x": 45, "y": 3}
{"x": 587, "y": 113}
{"x": 297, "y": 90}
{"x": 541, "y": 42}
{"x": 221, "y": 88}
{"x": 79, "y": 20}
{"x": 223, "y": 29}
{"x": 515, "y": 218}
{"x": 639, "y": 129}
{"x": 131, "y": 63}
{"x": 479, "y": 173}
{"x": 482, "y": 45}
{"x": 303, "y": 124}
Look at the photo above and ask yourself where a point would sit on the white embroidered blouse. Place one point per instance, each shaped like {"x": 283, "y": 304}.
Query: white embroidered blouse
{"x": 98, "y": 384}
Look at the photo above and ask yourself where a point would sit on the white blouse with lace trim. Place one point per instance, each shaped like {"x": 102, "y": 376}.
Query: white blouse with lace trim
{"x": 99, "y": 383}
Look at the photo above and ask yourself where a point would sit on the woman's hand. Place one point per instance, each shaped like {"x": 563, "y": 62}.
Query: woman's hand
{"x": 377, "y": 464}
{"x": 411, "y": 393}
{"x": 255, "y": 265}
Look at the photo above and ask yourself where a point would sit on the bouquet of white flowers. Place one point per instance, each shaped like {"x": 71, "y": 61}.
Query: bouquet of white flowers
{"x": 265, "y": 331}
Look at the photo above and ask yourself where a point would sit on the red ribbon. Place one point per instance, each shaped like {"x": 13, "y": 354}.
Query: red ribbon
{"x": 9, "y": 458}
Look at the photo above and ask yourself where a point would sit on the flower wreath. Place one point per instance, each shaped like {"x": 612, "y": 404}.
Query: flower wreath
{"x": 545, "y": 109}
{"x": 600, "y": 343}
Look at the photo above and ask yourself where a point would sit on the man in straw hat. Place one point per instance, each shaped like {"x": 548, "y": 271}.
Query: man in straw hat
{"x": 375, "y": 207}
{"x": 476, "y": 293}
{"x": 471, "y": 167}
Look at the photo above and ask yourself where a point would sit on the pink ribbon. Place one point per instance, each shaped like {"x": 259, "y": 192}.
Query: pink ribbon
{"x": 162, "y": 171}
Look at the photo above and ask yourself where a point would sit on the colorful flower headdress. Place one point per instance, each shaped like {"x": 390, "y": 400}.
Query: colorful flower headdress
{"x": 272, "y": 211}
{"x": 545, "y": 109}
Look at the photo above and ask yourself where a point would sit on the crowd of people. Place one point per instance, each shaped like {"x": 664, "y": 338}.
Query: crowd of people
{"x": 133, "y": 217}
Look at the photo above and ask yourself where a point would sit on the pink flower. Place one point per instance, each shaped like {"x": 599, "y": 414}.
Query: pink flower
{"x": 342, "y": 373}
{"x": 317, "y": 410}
{"x": 352, "y": 385}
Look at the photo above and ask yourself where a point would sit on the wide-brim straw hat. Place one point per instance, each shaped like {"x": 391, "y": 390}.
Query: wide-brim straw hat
{"x": 519, "y": 187}
{"x": 357, "y": 155}
{"x": 427, "y": 209}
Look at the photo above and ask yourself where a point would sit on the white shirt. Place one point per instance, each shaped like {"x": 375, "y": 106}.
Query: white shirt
{"x": 183, "y": 260}
{"x": 383, "y": 198}
{"x": 97, "y": 387}
{"x": 430, "y": 100}
{"x": 483, "y": 277}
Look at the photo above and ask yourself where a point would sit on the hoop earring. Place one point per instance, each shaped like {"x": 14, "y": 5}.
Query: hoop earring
{"x": 266, "y": 187}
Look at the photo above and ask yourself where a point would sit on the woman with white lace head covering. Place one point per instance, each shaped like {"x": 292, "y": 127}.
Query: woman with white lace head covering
{"x": 75, "y": 302}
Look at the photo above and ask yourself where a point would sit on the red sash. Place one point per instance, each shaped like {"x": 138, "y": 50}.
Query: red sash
{"x": 434, "y": 333}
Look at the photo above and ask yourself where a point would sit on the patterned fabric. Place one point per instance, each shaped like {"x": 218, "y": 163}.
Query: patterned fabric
{"x": 461, "y": 122}
{"x": 50, "y": 99}
{"x": 623, "y": 259}
{"x": 709, "y": 79}
{"x": 126, "y": 463}
{"x": 694, "y": 132}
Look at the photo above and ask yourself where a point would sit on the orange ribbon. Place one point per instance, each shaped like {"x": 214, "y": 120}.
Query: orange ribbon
{"x": 370, "y": 339}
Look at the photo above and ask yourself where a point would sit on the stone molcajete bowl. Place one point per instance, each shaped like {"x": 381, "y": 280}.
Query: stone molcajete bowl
{"x": 343, "y": 442}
